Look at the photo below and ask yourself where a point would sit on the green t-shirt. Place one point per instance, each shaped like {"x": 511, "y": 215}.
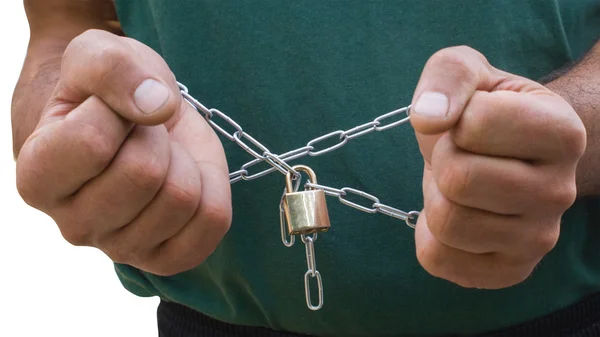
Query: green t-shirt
{"x": 290, "y": 71}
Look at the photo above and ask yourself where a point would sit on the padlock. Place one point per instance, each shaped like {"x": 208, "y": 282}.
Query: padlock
{"x": 305, "y": 211}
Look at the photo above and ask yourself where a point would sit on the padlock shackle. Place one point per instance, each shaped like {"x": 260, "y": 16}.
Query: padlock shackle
{"x": 288, "y": 177}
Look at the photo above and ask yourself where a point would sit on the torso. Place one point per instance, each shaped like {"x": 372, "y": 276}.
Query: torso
{"x": 288, "y": 72}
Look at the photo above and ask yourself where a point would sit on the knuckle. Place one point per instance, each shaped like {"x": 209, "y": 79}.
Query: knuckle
{"x": 507, "y": 270}
{"x": 161, "y": 262}
{"x": 574, "y": 138}
{"x": 455, "y": 58}
{"x": 182, "y": 195}
{"x": 75, "y": 234}
{"x": 123, "y": 251}
{"x": 427, "y": 260}
{"x": 80, "y": 42}
{"x": 454, "y": 179}
{"x": 440, "y": 221}
{"x": 113, "y": 58}
{"x": 74, "y": 226}
{"x": 94, "y": 143}
{"x": 217, "y": 217}
{"x": 188, "y": 254}
{"x": 546, "y": 241}
{"x": 122, "y": 256}
{"x": 145, "y": 172}
{"x": 470, "y": 130}
{"x": 83, "y": 43}
{"x": 430, "y": 259}
{"x": 105, "y": 51}
{"x": 27, "y": 192}
{"x": 25, "y": 182}
{"x": 561, "y": 195}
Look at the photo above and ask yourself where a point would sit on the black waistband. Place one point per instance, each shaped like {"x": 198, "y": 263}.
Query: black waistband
{"x": 579, "y": 320}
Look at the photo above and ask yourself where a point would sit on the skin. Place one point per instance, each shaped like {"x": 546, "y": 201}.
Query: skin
{"x": 502, "y": 164}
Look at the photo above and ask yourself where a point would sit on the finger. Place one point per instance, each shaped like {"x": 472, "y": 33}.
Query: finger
{"x": 499, "y": 185}
{"x": 171, "y": 209}
{"x": 449, "y": 79}
{"x": 487, "y": 271}
{"x": 60, "y": 157}
{"x": 426, "y": 146}
{"x": 517, "y": 125}
{"x": 191, "y": 130}
{"x": 129, "y": 76}
{"x": 129, "y": 183}
{"x": 477, "y": 231}
{"x": 200, "y": 237}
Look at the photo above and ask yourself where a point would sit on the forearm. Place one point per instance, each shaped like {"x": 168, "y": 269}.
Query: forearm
{"x": 580, "y": 86}
{"x": 53, "y": 24}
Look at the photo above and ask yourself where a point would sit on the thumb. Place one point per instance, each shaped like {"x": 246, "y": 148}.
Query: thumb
{"x": 132, "y": 79}
{"x": 449, "y": 79}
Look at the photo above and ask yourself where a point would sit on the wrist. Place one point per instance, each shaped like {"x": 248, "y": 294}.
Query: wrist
{"x": 35, "y": 85}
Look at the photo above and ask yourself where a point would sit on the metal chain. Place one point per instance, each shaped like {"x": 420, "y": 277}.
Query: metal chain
{"x": 238, "y": 137}
{"x": 312, "y": 272}
{"x": 310, "y": 148}
{"x": 284, "y": 236}
{"x": 279, "y": 162}
{"x": 377, "y": 207}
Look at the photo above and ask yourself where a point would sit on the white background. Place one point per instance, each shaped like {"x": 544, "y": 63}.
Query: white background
{"x": 47, "y": 286}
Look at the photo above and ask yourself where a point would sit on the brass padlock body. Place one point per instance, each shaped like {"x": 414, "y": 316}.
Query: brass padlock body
{"x": 305, "y": 211}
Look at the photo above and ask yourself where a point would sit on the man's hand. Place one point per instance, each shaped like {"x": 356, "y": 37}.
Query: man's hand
{"x": 122, "y": 163}
{"x": 501, "y": 154}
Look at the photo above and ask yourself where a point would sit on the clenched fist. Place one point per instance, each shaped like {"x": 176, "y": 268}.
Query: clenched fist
{"x": 122, "y": 163}
{"x": 500, "y": 154}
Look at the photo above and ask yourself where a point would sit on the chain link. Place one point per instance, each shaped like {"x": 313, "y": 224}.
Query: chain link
{"x": 388, "y": 115}
{"x": 284, "y": 236}
{"x": 365, "y": 195}
{"x": 342, "y": 141}
{"x": 282, "y": 221}
{"x": 237, "y": 175}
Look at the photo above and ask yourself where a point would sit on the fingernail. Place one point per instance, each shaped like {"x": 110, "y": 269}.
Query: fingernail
{"x": 431, "y": 104}
{"x": 150, "y": 96}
